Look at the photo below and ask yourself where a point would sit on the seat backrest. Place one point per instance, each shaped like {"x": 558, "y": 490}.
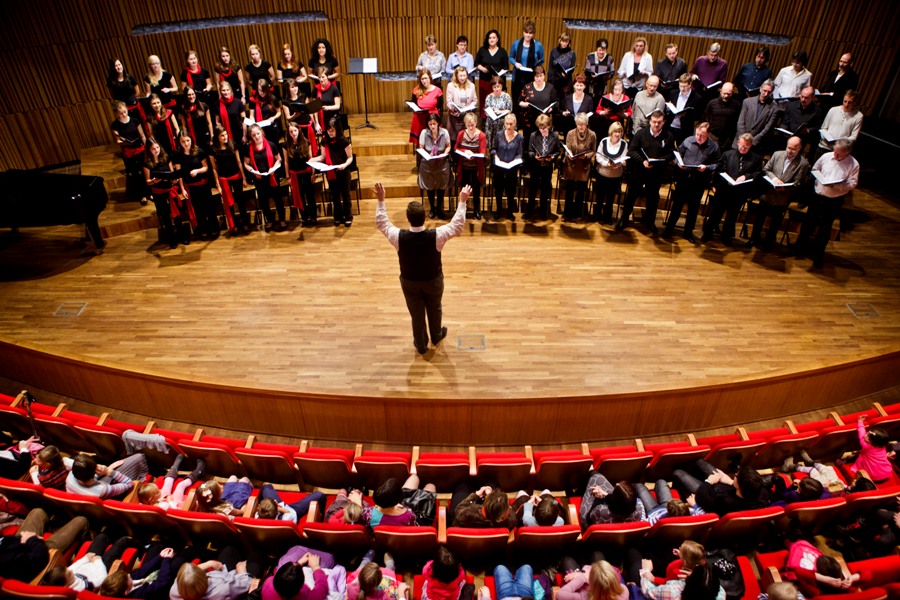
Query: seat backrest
{"x": 672, "y": 531}
{"x": 268, "y": 465}
{"x": 18, "y": 589}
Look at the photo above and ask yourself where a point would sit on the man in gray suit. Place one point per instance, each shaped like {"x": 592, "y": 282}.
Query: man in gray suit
{"x": 757, "y": 117}
{"x": 786, "y": 173}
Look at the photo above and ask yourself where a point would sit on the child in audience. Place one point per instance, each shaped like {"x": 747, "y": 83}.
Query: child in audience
{"x": 349, "y": 509}
{"x": 151, "y": 580}
{"x": 801, "y": 490}
{"x": 371, "y": 582}
{"x": 508, "y": 586}
{"x": 51, "y": 469}
{"x": 873, "y": 454}
{"x": 824, "y": 474}
{"x": 228, "y": 500}
{"x": 781, "y": 590}
{"x": 486, "y": 506}
{"x": 226, "y": 578}
{"x": 598, "y": 581}
{"x": 167, "y": 497}
{"x": 89, "y": 571}
{"x": 290, "y": 581}
{"x": 444, "y": 576}
{"x": 699, "y": 584}
{"x": 394, "y": 505}
{"x": 663, "y": 505}
{"x": 82, "y": 479}
{"x": 543, "y": 510}
{"x": 605, "y": 503}
{"x": 271, "y": 506}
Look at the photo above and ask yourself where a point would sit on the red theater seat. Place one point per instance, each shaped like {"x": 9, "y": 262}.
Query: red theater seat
{"x": 561, "y": 470}
{"x": 143, "y": 521}
{"x": 672, "y": 531}
{"x": 269, "y": 462}
{"x": 206, "y": 528}
{"x": 621, "y": 463}
{"x": 616, "y": 535}
{"x": 478, "y": 546}
{"x": 670, "y": 456}
{"x": 555, "y": 541}
{"x": 445, "y": 470}
{"x": 407, "y": 544}
{"x": 325, "y": 467}
{"x": 780, "y": 443}
{"x": 729, "y": 450}
{"x": 275, "y": 537}
{"x": 17, "y": 589}
{"x": 812, "y": 515}
{"x": 218, "y": 452}
{"x": 743, "y": 529}
{"x": 344, "y": 540}
{"x": 374, "y": 467}
{"x": 509, "y": 470}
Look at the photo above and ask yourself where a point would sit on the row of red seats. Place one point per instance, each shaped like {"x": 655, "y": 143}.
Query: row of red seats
{"x": 558, "y": 470}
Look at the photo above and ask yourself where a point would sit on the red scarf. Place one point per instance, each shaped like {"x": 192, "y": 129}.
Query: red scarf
{"x": 321, "y": 88}
{"x": 168, "y": 121}
{"x": 192, "y": 216}
{"x": 190, "y": 120}
{"x": 295, "y": 188}
{"x": 254, "y": 98}
{"x": 190, "y": 79}
{"x": 311, "y": 138}
{"x": 330, "y": 175}
{"x": 172, "y": 194}
{"x": 269, "y": 158}
{"x": 228, "y": 197}
{"x": 140, "y": 111}
{"x": 223, "y": 114}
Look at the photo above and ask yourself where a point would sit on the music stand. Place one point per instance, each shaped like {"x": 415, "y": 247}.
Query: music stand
{"x": 364, "y": 66}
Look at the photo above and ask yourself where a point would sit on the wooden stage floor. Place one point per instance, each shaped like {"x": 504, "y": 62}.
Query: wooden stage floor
{"x": 562, "y": 310}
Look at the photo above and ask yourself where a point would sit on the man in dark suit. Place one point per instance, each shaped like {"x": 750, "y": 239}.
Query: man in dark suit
{"x": 421, "y": 272}
{"x": 785, "y": 167}
{"x": 687, "y": 103}
{"x": 734, "y": 186}
{"x": 757, "y": 117}
{"x": 649, "y": 151}
{"x": 803, "y": 117}
{"x": 839, "y": 82}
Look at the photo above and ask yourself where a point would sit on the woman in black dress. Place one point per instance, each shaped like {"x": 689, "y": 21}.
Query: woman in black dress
{"x": 230, "y": 114}
{"x": 227, "y": 70}
{"x": 258, "y": 68}
{"x": 265, "y": 111}
{"x": 197, "y": 77}
{"x": 330, "y": 95}
{"x": 196, "y": 119}
{"x": 230, "y": 181}
{"x": 491, "y": 61}
{"x": 321, "y": 55}
{"x": 164, "y": 191}
{"x": 337, "y": 152}
{"x": 130, "y": 136}
{"x": 297, "y": 152}
{"x": 160, "y": 82}
{"x": 538, "y": 97}
{"x": 289, "y": 68}
{"x": 196, "y": 187}
{"x": 123, "y": 87}
{"x": 162, "y": 125}
{"x": 293, "y": 113}
{"x": 262, "y": 161}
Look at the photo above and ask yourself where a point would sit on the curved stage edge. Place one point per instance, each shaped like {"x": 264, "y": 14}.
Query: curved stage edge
{"x": 456, "y": 422}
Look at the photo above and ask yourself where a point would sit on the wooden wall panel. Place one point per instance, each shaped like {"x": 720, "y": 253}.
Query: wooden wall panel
{"x": 538, "y": 421}
{"x": 62, "y": 62}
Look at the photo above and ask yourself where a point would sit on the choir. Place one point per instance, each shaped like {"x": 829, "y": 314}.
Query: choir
{"x": 534, "y": 138}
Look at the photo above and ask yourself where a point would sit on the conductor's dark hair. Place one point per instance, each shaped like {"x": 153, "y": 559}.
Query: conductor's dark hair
{"x": 288, "y": 580}
{"x": 764, "y": 50}
{"x": 415, "y": 214}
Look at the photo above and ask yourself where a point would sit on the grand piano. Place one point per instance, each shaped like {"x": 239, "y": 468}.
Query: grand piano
{"x": 34, "y": 199}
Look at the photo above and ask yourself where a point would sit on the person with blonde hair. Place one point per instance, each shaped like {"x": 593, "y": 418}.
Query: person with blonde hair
{"x": 462, "y": 100}
{"x": 636, "y": 66}
{"x": 432, "y": 60}
{"x": 597, "y": 581}
{"x": 221, "y": 579}
{"x": 258, "y": 68}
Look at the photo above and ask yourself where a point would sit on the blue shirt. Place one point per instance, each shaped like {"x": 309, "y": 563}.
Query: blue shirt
{"x": 538, "y": 55}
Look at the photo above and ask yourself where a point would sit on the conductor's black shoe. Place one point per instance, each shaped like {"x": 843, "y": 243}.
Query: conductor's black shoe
{"x": 750, "y": 243}
{"x": 441, "y": 337}
{"x": 431, "y": 214}
{"x": 421, "y": 350}
{"x": 690, "y": 237}
{"x": 620, "y": 225}
{"x": 653, "y": 229}
{"x": 667, "y": 232}
{"x": 705, "y": 237}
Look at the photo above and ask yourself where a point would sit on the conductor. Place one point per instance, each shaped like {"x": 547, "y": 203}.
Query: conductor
{"x": 421, "y": 275}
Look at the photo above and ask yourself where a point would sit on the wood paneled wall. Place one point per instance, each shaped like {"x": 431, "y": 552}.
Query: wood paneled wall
{"x": 456, "y": 422}
{"x": 53, "y": 100}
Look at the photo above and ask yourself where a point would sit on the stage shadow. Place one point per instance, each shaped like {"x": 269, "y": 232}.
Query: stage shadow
{"x": 578, "y": 233}
{"x": 536, "y": 230}
{"x": 619, "y": 237}
{"x": 175, "y": 257}
{"x": 494, "y": 228}
{"x": 28, "y": 255}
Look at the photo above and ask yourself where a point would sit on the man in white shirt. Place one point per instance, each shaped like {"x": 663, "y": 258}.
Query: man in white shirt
{"x": 836, "y": 174}
{"x": 790, "y": 80}
{"x": 421, "y": 272}
{"x": 841, "y": 122}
